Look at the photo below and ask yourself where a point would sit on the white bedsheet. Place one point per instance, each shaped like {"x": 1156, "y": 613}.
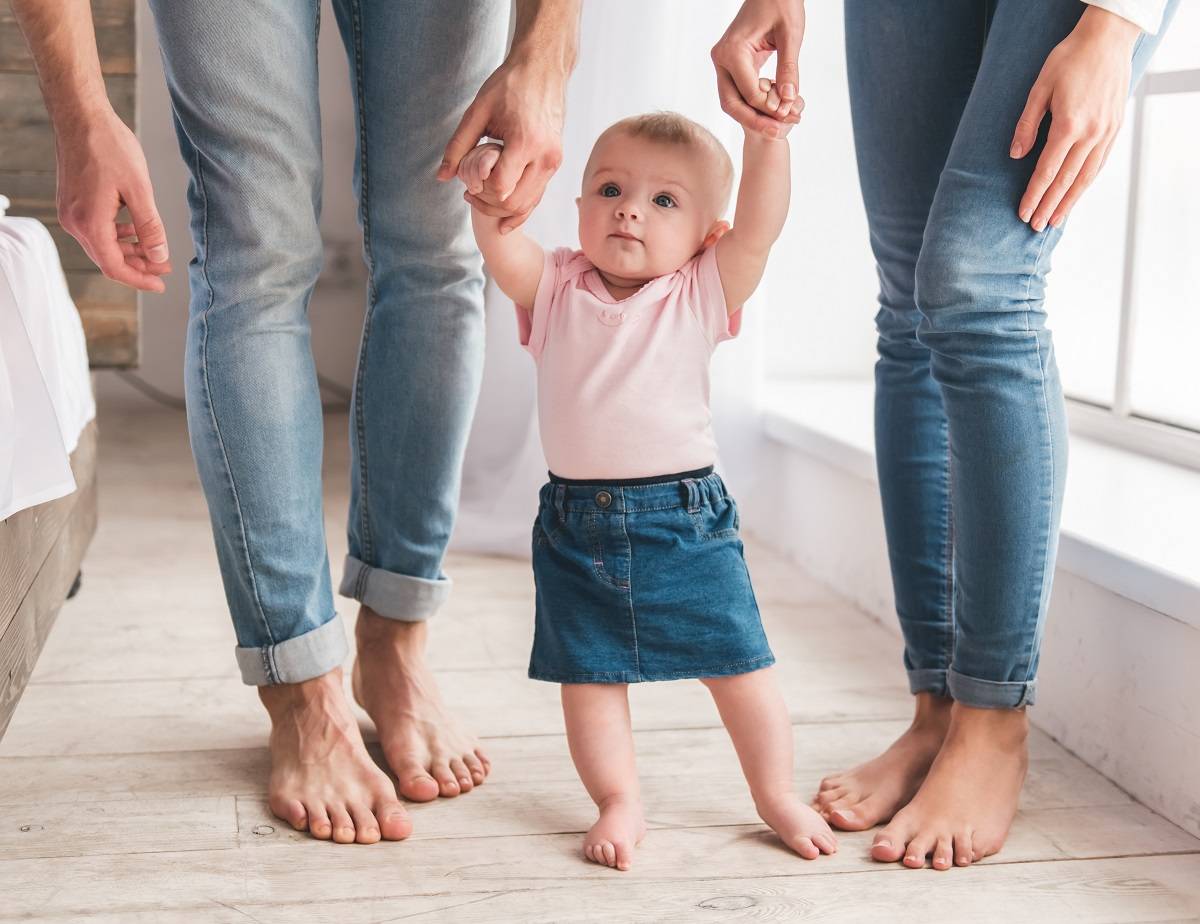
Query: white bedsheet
{"x": 45, "y": 391}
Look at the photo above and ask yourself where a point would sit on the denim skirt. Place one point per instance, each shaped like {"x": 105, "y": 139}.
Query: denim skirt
{"x": 642, "y": 579}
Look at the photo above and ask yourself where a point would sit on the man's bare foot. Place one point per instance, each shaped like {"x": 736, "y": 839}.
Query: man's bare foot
{"x": 322, "y": 778}
{"x": 797, "y": 825}
{"x": 620, "y": 828}
{"x": 963, "y": 810}
{"x": 421, "y": 741}
{"x": 873, "y": 792}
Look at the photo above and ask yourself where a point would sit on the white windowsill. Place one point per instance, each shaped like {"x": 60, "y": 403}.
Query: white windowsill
{"x": 1129, "y": 522}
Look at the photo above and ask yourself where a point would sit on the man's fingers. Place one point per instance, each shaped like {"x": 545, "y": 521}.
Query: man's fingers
{"x": 1058, "y": 145}
{"x": 147, "y": 224}
{"x": 470, "y": 129}
{"x": 787, "y": 67}
{"x": 488, "y": 208}
{"x": 100, "y": 242}
{"x": 745, "y": 77}
{"x": 135, "y": 256}
{"x": 1087, "y": 173}
{"x": 1029, "y": 122}
{"x": 514, "y": 221}
{"x": 529, "y": 190}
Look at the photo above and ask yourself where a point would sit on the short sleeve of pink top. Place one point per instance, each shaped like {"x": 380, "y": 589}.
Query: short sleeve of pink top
{"x": 623, "y": 386}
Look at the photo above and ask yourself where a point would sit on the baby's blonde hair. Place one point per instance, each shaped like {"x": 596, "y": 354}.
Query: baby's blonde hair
{"x": 667, "y": 127}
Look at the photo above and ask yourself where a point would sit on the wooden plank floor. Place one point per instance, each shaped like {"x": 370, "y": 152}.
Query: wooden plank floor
{"x": 132, "y": 776}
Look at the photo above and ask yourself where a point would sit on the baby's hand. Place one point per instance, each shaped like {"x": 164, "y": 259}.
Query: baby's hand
{"x": 769, "y": 97}
{"x": 476, "y": 166}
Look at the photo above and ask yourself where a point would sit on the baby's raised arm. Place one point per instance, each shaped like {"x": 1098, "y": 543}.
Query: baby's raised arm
{"x": 512, "y": 259}
{"x": 762, "y": 207}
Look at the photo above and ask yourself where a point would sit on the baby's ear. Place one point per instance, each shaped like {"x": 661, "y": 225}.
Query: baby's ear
{"x": 715, "y": 233}
{"x": 578, "y": 199}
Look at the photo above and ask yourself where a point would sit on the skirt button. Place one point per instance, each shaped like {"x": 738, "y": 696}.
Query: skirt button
{"x": 603, "y": 499}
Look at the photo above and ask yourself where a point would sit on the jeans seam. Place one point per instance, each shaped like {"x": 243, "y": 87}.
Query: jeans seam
{"x": 949, "y": 615}
{"x": 1050, "y": 446}
{"x": 237, "y": 503}
{"x": 360, "y": 425}
{"x": 637, "y": 657}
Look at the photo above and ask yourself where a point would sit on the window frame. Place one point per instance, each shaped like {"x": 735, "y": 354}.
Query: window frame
{"x": 1118, "y": 424}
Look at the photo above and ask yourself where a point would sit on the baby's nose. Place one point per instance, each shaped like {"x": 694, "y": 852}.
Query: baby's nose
{"x": 628, "y": 211}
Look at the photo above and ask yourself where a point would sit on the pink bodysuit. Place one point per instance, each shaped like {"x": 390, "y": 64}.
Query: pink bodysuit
{"x": 623, "y": 385}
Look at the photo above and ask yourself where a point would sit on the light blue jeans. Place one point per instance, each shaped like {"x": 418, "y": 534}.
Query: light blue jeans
{"x": 243, "y": 81}
{"x": 970, "y": 425}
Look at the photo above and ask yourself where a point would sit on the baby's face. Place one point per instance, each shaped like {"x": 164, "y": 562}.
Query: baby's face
{"x": 646, "y": 205}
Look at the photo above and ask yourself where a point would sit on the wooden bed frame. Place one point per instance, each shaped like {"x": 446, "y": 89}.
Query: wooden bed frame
{"x": 41, "y": 549}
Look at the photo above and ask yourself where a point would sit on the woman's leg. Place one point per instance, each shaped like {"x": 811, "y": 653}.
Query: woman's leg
{"x": 756, "y": 717}
{"x": 980, "y": 287}
{"x": 414, "y": 69}
{"x": 243, "y": 82}
{"x": 600, "y": 735}
{"x": 911, "y": 66}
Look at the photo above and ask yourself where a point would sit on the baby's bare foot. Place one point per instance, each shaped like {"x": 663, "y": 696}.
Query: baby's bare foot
{"x": 797, "y": 825}
{"x": 620, "y": 828}
{"x": 322, "y": 778}
{"x": 963, "y": 810}
{"x": 873, "y": 792}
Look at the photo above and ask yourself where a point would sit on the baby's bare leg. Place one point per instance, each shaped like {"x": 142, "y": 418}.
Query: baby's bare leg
{"x": 756, "y": 717}
{"x": 601, "y": 741}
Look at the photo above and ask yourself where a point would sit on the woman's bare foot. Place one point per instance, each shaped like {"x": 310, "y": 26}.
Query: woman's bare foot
{"x": 620, "y": 828}
{"x": 963, "y": 810}
{"x": 873, "y": 792}
{"x": 423, "y": 744}
{"x": 322, "y": 778}
{"x": 797, "y": 825}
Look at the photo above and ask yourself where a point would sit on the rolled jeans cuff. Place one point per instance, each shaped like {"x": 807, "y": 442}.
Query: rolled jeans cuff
{"x": 991, "y": 694}
{"x": 293, "y": 660}
{"x": 928, "y": 680}
{"x": 396, "y": 596}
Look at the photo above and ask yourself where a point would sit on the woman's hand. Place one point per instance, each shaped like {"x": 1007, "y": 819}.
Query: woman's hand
{"x": 521, "y": 103}
{"x": 760, "y": 29}
{"x": 1083, "y": 86}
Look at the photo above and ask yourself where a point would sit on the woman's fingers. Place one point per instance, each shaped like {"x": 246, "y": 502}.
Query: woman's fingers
{"x": 733, "y": 105}
{"x": 1035, "y": 110}
{"x": 1058, "y": 146}
{"x": 1091, "y": 168}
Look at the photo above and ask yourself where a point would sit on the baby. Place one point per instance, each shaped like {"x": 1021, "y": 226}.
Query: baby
{"x": 638, "y": 566}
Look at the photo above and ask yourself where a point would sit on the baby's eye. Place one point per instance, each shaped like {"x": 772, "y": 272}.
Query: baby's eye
{"x": 663, "y": 201}
{"x": 610, "y": 190}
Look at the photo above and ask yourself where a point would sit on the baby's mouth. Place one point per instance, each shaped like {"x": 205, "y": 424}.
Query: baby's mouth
{"x": 625, "y": 236}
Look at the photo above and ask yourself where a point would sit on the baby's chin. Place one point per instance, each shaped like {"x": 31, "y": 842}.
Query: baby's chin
{"x": 637, "y": 266}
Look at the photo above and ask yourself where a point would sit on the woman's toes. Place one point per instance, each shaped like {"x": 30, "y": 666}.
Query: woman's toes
{"x": 394, "y": 823}
{"x": 888, "y": 845}
{"x": 366, "y": 828}
{"x": 319, "y": 823}
{"x": 291, "y": 811}
{"x": 459, "y": 769}
{"x": 343, "y": 826}
{"x": 485, "y": 761}
{"x": 830, "y": 782}
{"x": 962, "y": 850}
{"x": 447, "y": 785}
{"x": 918, "y": 849}
{"x": 943, "y": 853}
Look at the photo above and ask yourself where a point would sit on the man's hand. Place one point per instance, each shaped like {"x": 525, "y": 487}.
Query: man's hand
{"x": 760, "y": 29}
{"x": 101, "y": 168}
{"x": 521, "y": 104}
{"x": 1083, "y": 86}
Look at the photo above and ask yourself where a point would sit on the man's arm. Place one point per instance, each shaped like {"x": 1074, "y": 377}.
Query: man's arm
{"x": 762, "y": 207}
{"x": 101, "y": 166}
{"x": 522, "y": 104}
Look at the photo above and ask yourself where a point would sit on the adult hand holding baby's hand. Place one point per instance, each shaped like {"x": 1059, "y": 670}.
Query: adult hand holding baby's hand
{"x": 760, "y": 29}
{"x": 476, "y": 167}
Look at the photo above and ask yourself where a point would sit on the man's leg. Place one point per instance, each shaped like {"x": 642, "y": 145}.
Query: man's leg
{"x": 910, "y": 67}
{"x": 243, "y": 84}
{"x": 415, "y": 67}
{"x": 980, "y": 287}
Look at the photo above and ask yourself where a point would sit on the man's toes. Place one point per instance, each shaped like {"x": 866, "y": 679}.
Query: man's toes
{"x": 319, "y": 823}
{"x": 475, "y": 767}
{"x": 943, "y": 853}
{"x": 918, "y": 849}
{"x": 289, "y": 810}
{"x": 889, "y": 844}
{"x": 394, "y": 823}
{"x": 459, "y": 769}
{"x": 963, "y": 854}
{"x": 856, "y": 816}
{"x": 343, "y": 826}
{"x": 366, "y": 828}
{"x": 447, "y": 785}
{"x": 414, "y": 781}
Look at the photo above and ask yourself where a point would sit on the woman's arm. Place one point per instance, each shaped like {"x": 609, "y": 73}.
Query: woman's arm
{"x": 1083, "y": 87}
{"x": 762, "y": 207}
